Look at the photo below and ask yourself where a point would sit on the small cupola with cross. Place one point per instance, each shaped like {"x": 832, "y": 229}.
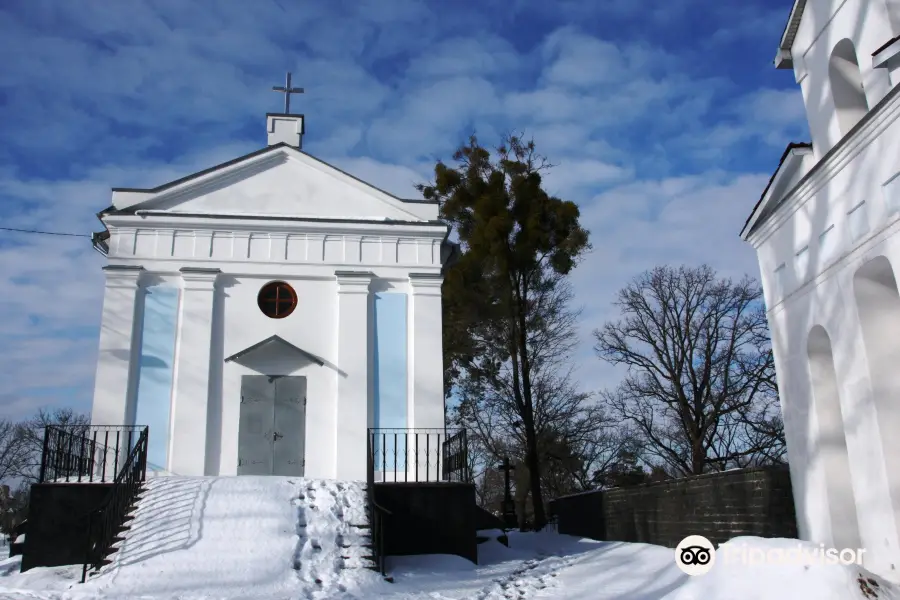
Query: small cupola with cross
{"x": 285, "y": 127}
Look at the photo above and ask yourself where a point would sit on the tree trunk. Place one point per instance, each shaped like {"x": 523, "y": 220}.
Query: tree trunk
{"x": 698, "y": 458}
{"x": 532, "y": 461}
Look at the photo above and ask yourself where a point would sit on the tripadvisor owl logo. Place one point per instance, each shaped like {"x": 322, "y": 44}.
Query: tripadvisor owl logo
{"x": 695, "y": 555}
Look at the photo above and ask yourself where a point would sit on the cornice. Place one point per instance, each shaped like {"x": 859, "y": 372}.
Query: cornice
{"x": 426, "y": 283}
{"x": 277, "y": 226}
{"x": 354, "y": 282}
{"x": 198, "y": 278}
{"x": 863, "y": 135}
{"x": 123, "y": 276}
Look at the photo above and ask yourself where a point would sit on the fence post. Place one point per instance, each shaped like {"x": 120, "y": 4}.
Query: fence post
{"x": 44, "y": 454}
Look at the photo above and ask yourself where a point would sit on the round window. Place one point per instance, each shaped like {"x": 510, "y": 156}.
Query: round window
{"x": 277, "y": 300}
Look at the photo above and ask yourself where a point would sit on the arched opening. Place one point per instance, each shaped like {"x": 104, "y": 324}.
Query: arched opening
{"x": 850, "y": 102}
{"x": 831, "y": 443}
{"x": 878, "y": 307}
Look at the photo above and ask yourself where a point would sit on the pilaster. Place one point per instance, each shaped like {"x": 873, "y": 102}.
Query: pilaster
{"x": 426, "y": 357}
{"x": 192, "y": 372}
{"x": 354, "y": 351}
{"x": 119, "y": 340}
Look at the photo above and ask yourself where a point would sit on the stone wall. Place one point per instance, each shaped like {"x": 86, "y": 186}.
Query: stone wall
{"x": 718, "y": 506}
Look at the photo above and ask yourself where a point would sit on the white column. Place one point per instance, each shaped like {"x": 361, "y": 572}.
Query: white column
{"x": 188, "y": 455}
{"x": 119, "y": 344}
{"x": 354, "y": 348}
{"x": 426, "y": 357}
{"x": 426, "y": 373}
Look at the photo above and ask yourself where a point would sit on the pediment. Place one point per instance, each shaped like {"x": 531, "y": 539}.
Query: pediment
{"x": 794, "y": 164}
{"x": 280, "y": 181}
{"x": 275, "y": 344}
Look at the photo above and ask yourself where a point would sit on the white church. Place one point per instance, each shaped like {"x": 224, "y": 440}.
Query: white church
{"x": 827, "y": 234}
{"x": 261, "y": 315}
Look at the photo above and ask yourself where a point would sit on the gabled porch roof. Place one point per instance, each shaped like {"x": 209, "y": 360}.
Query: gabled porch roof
{"x": 275, "y": 341}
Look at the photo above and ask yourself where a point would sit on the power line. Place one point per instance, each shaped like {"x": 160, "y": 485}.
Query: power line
{"x": 44, "y": 232}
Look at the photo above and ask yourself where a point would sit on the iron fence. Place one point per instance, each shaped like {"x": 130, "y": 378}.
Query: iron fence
{"x": 419, "y": 455}
{"x": 377, "y": 513}
{"x": 86, "y": 453}
{"x": 107, "y": 521}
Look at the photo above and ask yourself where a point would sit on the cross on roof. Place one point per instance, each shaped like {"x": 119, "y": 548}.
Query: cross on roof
{"x": 287, "y": 90}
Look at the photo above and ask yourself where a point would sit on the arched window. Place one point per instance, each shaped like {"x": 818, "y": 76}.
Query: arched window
{"x": 850, "y": 102}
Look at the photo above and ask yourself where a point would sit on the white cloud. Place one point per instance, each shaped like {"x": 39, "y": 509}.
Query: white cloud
{"x": 138, "y": 94}
{"x": 576, "y": 175}
{"x": 465, "y": 57}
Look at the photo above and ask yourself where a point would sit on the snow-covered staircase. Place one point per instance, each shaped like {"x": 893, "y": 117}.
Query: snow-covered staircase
{"x": 333, "y": 530}
{"x": 240, "y": 537}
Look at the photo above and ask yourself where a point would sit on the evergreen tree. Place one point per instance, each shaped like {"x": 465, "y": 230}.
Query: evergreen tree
{"x": 517, "y": 243}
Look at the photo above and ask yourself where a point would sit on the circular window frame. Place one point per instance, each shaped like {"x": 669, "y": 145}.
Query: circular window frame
{"x": 279, "y": 287}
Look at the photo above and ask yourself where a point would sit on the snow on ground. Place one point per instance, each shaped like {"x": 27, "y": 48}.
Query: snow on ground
{"x": 278, "y": 538}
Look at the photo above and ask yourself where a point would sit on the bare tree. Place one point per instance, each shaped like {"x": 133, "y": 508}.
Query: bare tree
{"x": 31, "y": 433}
{"x": 700, "y": 387}
{"x": 12, "y": 453}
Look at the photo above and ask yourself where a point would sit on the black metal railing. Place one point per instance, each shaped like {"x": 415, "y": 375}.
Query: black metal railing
{"x": 418, "y": 455}
{"x": 106, "y": 522}
{"x": 85, "y": 453}
{"x": 455, "y": 452}
{"x": 377, "y": 513}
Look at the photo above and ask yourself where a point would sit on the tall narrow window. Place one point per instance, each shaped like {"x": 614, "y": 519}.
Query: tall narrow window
{"x": 858, "y": 220}
{"x": 780, "y": 279}
{"x": 891, "y": 192}
{"x": 802, "y": 259}
{"x": 827, "y": 245}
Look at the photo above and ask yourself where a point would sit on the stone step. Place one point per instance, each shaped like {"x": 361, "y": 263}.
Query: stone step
{"x": 368, "y": 557}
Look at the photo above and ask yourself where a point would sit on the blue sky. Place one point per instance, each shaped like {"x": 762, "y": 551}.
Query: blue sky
{"x": 665, "y": 119}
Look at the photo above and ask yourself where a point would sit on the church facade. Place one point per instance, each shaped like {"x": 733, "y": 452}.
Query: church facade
{"x": 262, "y": 315}
{"x": 827, "y": 234}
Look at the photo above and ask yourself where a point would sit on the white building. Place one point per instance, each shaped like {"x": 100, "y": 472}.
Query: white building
{"x": 826, "y": 234}
{"x": 261, "y": 315}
